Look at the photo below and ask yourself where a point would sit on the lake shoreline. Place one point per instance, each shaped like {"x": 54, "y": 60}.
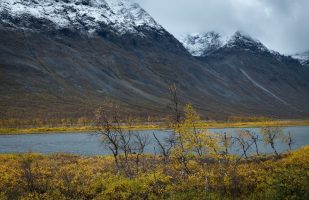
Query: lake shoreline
{"x": 142, "y": 127}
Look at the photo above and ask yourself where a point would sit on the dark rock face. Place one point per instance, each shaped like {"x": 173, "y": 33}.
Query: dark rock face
{"x": 263, "y": 78}
{"x": 82, "y": 71}
{"x": 52, "y": 71}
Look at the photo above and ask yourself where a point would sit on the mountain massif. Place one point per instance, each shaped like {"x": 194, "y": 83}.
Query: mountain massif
{"x": 63, "y": 58}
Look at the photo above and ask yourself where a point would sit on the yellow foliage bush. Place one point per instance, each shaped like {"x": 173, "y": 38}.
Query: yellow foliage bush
{"x": 75, "y": 177}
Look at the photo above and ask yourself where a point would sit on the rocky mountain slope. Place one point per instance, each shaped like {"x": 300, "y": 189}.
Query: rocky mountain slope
{"x": 63, "y": 58}
{"x": 269, "y": 74}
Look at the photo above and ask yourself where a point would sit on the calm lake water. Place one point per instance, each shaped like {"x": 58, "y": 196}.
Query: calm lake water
{"x": 90, "y": 144}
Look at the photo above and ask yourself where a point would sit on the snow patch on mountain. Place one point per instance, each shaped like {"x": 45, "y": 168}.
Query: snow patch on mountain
{"x": 202, "y": 44}
{"x": 303, "y": 58}
{"x": 124, "y": 16}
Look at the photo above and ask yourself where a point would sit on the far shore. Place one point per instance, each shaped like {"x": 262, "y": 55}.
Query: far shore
{"x": 155, "y": 126}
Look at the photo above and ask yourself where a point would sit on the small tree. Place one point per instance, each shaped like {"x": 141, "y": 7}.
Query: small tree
{"x": 289, "y": 140}
{"x": 124, "y": 144}
{"x": 251, "y": 137}
{"x": 139, "y": 145}
{"x": 226, "y": 142}
{"x": 106, "y": 116}
{"x": 255, "y": 139}
{"x": 175, "y": 103}
{"x": 271, "y": 135}
{"x": 243, "y": 140}
{"x": 193, "y": 142}
{"x": 165, "y": 146}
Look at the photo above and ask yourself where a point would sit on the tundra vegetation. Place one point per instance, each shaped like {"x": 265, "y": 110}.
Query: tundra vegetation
{"x": 190, "y": 163}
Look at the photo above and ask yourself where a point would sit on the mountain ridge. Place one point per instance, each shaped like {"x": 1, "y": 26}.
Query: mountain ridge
{"x": 123, "y": 16}
{"x": 51, "y": 71}
{"x": 215, "y": 41}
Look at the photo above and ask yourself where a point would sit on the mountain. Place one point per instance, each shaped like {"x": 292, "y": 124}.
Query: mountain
{"x": 303, "y": 58}
{"x": 205, "y": 44}
{"x": 84, "y": 15}
{"x": 243, "y": 41}
{"x": 202, "y": 44}
{"x": 256, "y": 74}
{"x": 63, "y": 58}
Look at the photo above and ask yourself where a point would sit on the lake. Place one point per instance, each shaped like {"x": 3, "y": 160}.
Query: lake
{"x": 89, "y": 143}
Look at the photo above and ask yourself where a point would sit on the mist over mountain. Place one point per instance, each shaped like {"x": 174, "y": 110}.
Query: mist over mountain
{"x": 63, "y": 58}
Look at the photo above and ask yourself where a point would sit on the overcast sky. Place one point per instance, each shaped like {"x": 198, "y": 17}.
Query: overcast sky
{"x": 282, "y": 25}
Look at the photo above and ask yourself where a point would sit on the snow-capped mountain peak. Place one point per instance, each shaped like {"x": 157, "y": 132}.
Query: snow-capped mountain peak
{"x": 201, "y": 44}
{"x": 123, "y": 16}
{"x": 206, "y": 43}
{"x": 241, "y": 40}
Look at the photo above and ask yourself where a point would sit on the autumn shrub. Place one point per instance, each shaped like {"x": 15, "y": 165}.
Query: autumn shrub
{"x": 76, "y": 177}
